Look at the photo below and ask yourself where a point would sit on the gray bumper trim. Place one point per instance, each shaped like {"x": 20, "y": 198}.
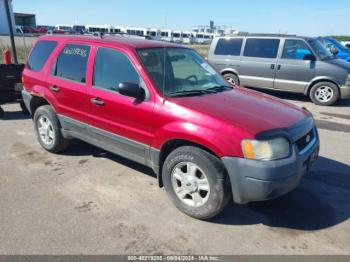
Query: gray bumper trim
{"x": 254, "y": 180}
{"x": 344, "y": 91}
{"x": 27, "y": 97}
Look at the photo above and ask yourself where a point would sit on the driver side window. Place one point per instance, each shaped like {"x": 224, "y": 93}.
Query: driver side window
{"x": 112, "y": 68}
{"x": 295, "y": 49}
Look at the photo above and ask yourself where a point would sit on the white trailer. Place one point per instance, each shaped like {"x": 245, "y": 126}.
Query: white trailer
{"x": 99, "y": 28}
{"x": 177, "y": 36}
{"x": 64, "y": 27}
{"x": 153, "y": 33}
{"x": 166, "y": 35}
{"x": 187, "y": 37}
{"x": 137, "y": 31}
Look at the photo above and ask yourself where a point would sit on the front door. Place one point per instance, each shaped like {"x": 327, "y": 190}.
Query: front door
{"x": 258, "y": 62}
{"x": 293, "y": 72}
{"x": 119, "y": 123}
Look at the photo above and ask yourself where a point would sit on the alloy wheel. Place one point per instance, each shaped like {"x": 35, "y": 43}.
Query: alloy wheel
{"x": 46, "y": 131}
{"x": 190, "y": 184}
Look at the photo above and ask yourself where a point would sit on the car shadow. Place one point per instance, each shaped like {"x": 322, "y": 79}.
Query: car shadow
{"x": 14, "y": 115}
{"x": 320, "y": 201}
{"x": 80, "y": 148}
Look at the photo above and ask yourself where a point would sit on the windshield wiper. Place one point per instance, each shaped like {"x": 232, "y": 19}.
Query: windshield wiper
{"x": 187, "y": 93}
{"x": 217, "y": 89}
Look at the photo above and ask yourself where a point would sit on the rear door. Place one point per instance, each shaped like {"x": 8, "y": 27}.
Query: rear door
{"x": 67, "y": 82}
{"x": 119, "y": 123}
{"x": 293, "y": 72}
{"x": 258, "y": 62}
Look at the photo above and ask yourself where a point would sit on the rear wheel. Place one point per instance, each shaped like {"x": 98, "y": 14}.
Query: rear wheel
{"x": 1, "y": 112}
{"x": 196, "y": 182}
{"x": 231, "y": 79}
{"x": 324, "y": 93}
{"x": 48, "y": 130}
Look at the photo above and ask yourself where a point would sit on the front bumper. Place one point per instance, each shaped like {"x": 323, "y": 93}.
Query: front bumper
{"x": 255, "y": 180}
{"x": 344, "y": 91}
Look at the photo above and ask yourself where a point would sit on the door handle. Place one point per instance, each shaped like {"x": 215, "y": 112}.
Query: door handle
{"x": 272, "y": 66}
{"x": 54, "y": 88}
{"x": 97, "y": 101}
{"x": 279, "y": 67}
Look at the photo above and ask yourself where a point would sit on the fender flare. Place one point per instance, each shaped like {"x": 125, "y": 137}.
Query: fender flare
{"x": 319, "y": 79}
{"x": 229, "y": 70}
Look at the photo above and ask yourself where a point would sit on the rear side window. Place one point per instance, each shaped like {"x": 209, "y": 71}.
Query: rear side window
{"x": 112, "y": 68}
{"x": 72, "y": 62}
{"x": 41, "y": 52}
{"x": 231, "y": 46}
{"x": 263, "y": 48}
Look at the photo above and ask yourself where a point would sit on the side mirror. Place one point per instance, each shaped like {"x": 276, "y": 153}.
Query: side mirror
{"x": 334, "y": 50}
{"x": 132, "y": 90}
{"x": 309, "y": 57}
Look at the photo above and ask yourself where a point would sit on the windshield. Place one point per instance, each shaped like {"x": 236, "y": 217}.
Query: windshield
{"x": 320, "y": 49}
{"x": 181, "y": 72}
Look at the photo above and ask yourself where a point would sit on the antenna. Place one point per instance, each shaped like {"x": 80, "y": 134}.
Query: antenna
{"x": 164, "y": 59}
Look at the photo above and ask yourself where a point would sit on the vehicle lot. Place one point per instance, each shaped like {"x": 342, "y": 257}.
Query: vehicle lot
{"x": 87, "y": 201}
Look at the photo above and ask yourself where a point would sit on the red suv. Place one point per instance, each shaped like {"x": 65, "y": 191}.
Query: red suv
{"x": 164, "y": 106}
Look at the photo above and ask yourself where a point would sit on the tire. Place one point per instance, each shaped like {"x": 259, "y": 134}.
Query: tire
{"x": 24, "y": 108}
{"x": 324, "y": 94}
{"x": 231, "y": 79}
{"x": 54, "y": 141}
{"x": 211, "y": 174}
{"x": 2, "y": 112}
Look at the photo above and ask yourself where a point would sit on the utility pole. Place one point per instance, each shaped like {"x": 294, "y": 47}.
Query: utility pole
{"x": 9, "y": 20}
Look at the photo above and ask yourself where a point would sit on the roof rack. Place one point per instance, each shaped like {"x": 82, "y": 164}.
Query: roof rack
{"x": 104, "y": 35}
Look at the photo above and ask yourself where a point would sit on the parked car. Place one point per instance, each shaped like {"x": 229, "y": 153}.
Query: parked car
{"x": 286, "y": 63}
{"x": 336, "y": 48}
{"x": 162, "y": 105}
{"x": 10, "y": 85}
{"x": 346, "y": 44}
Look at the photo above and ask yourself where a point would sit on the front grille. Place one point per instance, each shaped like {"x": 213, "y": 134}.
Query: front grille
{"x": 305, "y": 140}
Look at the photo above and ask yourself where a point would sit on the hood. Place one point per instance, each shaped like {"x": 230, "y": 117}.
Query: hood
{"x": 344, "y": 54}
{"x": 247, "y": 109}
{"x": 340, "y": 63}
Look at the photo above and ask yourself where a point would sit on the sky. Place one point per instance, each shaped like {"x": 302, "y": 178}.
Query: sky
{"x": 303, "y": 17}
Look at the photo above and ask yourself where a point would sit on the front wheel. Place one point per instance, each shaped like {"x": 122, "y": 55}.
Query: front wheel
{"x": 196, "y": 182}
{"x": 231, "y": 79}
{"x": 324, "y": 94}
{"x": 2, "y": 112}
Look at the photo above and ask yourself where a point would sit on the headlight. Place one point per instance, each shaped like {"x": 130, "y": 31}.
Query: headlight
{"x": 273, "y": 149}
